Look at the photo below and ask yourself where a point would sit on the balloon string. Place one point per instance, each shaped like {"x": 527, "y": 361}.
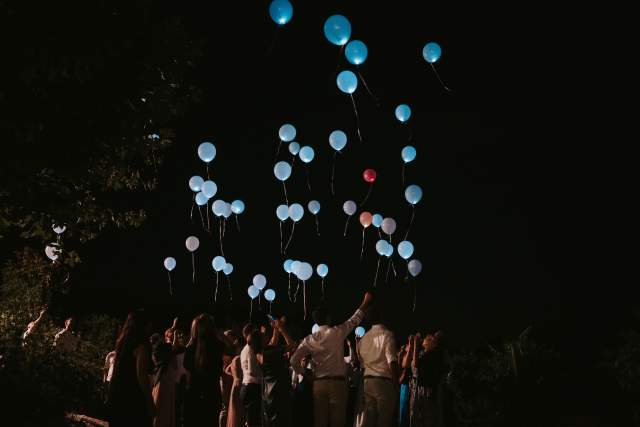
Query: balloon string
{"x": 306, "y": 167}
{"x": 304, "y": 296}
{"x": 224, "y": 227}
{"x": 406, "y": 277}
{"x": 375, "y": 99}
{"x": 269, "y": 307}
{"x": 170, "y": 288}
{"x": 367, "y": 196}
{"x": 333, "y": 172}
{"x": 215, "y": 296}
{"x": 413, "y": 215}
{"x": 193, "y": 204}
{"x": 275, "y": 159}
{"x": 375, "y": 279}
{"x": 355, "y": 109}
{"x": 439, "y": 79}
{"x": 393, "y": 267}
{"x": 379, "y": 233}
{"x": 251, "y": 310}
{"x": 237, "y": 223}
{"x": 208, "y": 224}
{"x": 230, "y": 290}
{"x": 317, "y": 225}
{"x": 295, "y": 296}
{"x": 286, "y": 198}
{"x": 207, "y": 166}
{"x": 403, "y": 168}
{"x": 201, "y": 217}
{"x": 388, "y": 269}
{"x": 346, "y": 225}
{"x": 362, "y": 248}
{"x": 281, "y": 249}
{"x": 322, "y": 288}
{"x": 220, "y": 232}
{"x": 415, "y": 296}
{"x": 289, "y": 283}
{"x": 193, "y": 267}
{"x": 290, "y": 237}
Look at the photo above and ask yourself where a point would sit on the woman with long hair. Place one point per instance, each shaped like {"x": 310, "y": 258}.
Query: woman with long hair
{"x": 130, "y": 402}
{"x": 203, "y": 360}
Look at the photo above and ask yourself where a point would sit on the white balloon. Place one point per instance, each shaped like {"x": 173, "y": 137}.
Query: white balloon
{"x": 415, "y": 267}
{"x": 259, "y": 281}
{"x": 59, "y": 229}
{"x": 192, "y": 243}
{"x": 227, "y": 210}
{"x": 389, "y": 226}
{"x": 52, "y": 250}
{"x": 305, "y": 271}
{"x": 349, "y": 207}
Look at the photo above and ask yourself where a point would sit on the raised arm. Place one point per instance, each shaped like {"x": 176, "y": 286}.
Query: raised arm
{"x": 357, "y": 317}
{"x": 408, "y": 354}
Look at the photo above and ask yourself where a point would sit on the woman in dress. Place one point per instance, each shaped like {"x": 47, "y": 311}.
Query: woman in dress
{"x": 250, "y": 393}
{"x": 235, "y": 411}
{"x": 164, "y": 385}
{"x": 427, "y": 373}
{"x": 130, "y": 402}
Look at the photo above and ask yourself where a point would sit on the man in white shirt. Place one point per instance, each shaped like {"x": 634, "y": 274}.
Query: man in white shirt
{"x": 377, "y": 353}
{"x": 326, "y": 348}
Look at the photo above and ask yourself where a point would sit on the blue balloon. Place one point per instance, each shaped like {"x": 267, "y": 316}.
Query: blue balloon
{"x": 195, "y": 183}
{"x": 287, "y": 265}
{"x": 270, "y": 295}
{"x": 306, "y": 154}
{"x": 206, "y": 152}
{"x": 296, "y": 212}
{"x": 169, "y": 263}
{"x": 219, "y": 207}
{"x": 282, "y": 212}
{"x": 338, "y": 140}
{"x": 413, "y": 194}
{"x": 381, "y": 247}
{"x": 403, "y": 112}
{"x": 347, "y": 81}
{"x": 209, "y": 188}
{"x": 405, "y": 249}
{"x": 337, "y": 30}
{"x": 280, "y": 11}
{"x": 218, "y": 263}
{"x": 389, "y": 251}
{"x": 253, "y": 292}
{"x": 287, "y": 132}
{"x": 356, "y": 52}
{"x": 228, "y": 269}
{"x": 322, "y": 270}
{"x": 408, "y": 154}
{"x": 237, "y": 207}
{"x": 359, "y": 332}
{"x": 282, "y": 170}
{"x": 314, "y": 207}
{"x": 201, "y": 199}
{"x": 295, "y": 265}
{"x": 294, "y": 148}
{"x": 376, "y": 220}
{"x": 431, "y": 52}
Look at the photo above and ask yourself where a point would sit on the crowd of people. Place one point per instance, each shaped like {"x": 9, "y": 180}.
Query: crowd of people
{"x": 262, "y": 376}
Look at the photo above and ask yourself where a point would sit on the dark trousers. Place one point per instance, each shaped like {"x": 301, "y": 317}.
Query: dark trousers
{"x": 252, "y": 402}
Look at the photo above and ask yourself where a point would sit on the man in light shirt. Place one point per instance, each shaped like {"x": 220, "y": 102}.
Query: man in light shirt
{"x": 378, "y": 355}
{"x": 326, "y": 348}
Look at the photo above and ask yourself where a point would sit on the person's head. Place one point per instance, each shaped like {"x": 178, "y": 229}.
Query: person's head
{"x": 181, "y": 337}
{"x": 253, "y": 337}
{"x": 428, "y": 343}
{"x": 134, "y": 332}
{"x": 202, "y": 338}
{"x": 321, "y": 316}
{"x": 68, "y": 324}
{"x": 168, "y": 336}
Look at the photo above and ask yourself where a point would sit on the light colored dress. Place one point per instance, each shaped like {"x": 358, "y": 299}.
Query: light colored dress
{"x": 235, "y": 411}
{"x": 164, "y": 395}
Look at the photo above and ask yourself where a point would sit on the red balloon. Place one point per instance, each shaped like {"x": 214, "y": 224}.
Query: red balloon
{"x": 369, "y": 175}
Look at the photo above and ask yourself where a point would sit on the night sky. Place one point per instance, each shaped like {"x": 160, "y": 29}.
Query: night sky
{"x": 506, "y": 225}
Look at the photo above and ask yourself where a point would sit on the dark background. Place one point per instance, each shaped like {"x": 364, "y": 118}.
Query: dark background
{"x": 513, "y": 201}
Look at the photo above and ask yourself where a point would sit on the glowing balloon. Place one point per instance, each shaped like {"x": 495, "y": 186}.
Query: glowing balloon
{"x": 403, "y": 112}
{"x": 287, "y": 133}
{"x": 405, "y": 249}
{"x": 294, "y": 148}
{"x": 356, "y": 52}
{"x": 376, "y": 220}
{"x": 295, "y": 267}
{"x": 280, "y": 11}
{"x": 337, "y": 140}
{"x": 201, "y": 199}
{"x": 381, "y": 247}
{"x": 282, "y": 170}
{"x": 415, "y": 267}
{"x": 59, "y": 229}
{"x": 349, "y": 207}
{"x": 219, "y": 207}
{"x": 408, "y": 154}
{"x": 218, "y": 263}
{"x": 253, "y": 292}
{"x": 227, "y": 210}
{"x": 195, "y": 183}
{"x": 314, "y": 207}
{"x": 322, "y": 270}
{"x": 315, "y": 328}
{"x": 169, "y": 263}
{"x": 389, "y": 250}
{"x": 237, "y": 207}
{"x": 228, "y": 269}
{"x": 282, "y": 212}
{"x": 431, "y": 52}
{"x": 52, "y": 251}
{"x": 388, "y": 226}
{"x": 413, "y": 194}
{"x": 270, "y": 295}
{"x": 209, "y": 188}
{"x": 306, "y": 154}
{"x": 365, "y": 219}
{"x": 337, "y": 30}
{"x": 287, "y": 265}
{"x": 347, "y": 82}
{"x": 305, "y": 271}
{"x": 206, "y": 152}
{"x": 369, "y": 175}
{"x": 259, "y": 281}
{"x": 359, "y": 332}
{"x": 296, "y": 212}
{"x": 192, "y": 243}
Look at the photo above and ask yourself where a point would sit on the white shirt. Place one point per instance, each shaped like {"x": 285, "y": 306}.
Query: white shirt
{"x": 377, "y": 350}
{"x": 326, "y": 348}
{"x": 251, "y": 372}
